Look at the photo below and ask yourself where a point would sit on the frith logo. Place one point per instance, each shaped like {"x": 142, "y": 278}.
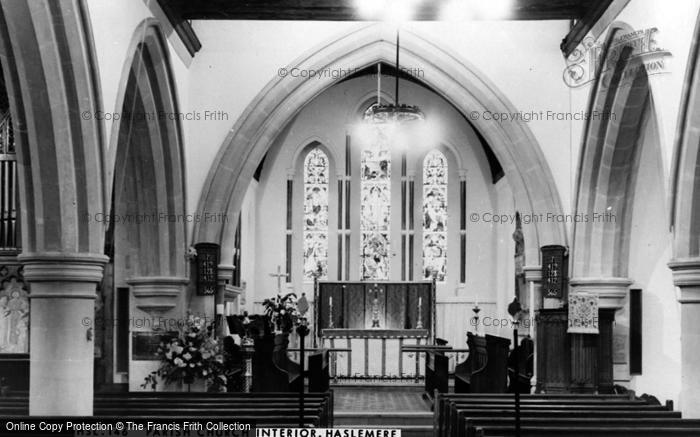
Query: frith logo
{"x": 591, "y": 61}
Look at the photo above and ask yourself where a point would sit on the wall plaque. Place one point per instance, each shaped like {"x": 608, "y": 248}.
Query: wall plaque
{"x": 144, "y": 345}
{"x": 554, "y": 271}
{"x": 207, "y": 268}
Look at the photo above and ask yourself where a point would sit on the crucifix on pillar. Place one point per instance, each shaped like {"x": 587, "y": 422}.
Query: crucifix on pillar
{"x": 279, "y": 275}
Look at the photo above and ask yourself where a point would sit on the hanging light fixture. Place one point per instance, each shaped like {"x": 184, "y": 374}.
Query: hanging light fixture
{"x": 396, "y": 113}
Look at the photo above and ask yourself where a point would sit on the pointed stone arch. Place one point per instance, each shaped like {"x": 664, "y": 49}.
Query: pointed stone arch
{"x": 146, "y": 156}
{"x": 454, "y": 79}
{"x": 607, "y": 171}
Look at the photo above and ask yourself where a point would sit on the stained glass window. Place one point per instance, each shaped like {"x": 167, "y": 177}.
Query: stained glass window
{"x": 375, "y": 207}
{"x": 435, "y": 216}
{"x": 316, "y": 181}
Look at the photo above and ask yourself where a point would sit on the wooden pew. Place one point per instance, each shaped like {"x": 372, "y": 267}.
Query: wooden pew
{"x": 485, "y": 370}
{"x": 436, "y": 366}
{"x": 473, "y": 366}
{"x": 450, "y": 412}
{"x": 263, "y": 408}
{"x": 501, "y": 424}
{"x": 273, "y": 371}
{"x": 436, "y": 372}
{"x": 319, "y": 371}
{"x": 524, "y": 355}
{"x": 494, "y": 379}
{"x": 531, "y": 431}
{"x": 449, "y": 409}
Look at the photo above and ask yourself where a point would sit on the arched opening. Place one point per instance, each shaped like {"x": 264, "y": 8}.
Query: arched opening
{"x": 608, "y": 170}
{"x": 459, "y": 83}
{"x": 623, "y": 240}
{"x": 146, "y": 226}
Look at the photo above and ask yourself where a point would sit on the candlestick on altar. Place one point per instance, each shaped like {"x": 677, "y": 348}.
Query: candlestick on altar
{"x": 419, "y": 323}
{"x": 330, "y": 312}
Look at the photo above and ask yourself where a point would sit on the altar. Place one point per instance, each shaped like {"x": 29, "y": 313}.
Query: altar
{"x": 375, "y": 320}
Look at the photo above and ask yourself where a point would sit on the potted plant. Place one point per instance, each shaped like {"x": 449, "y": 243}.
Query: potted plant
{"x": 282, "y": 312}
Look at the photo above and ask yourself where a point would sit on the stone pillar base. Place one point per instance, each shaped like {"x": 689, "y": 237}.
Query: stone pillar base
{"x": 686, "y": 276}
{"x": 61, "y": 348}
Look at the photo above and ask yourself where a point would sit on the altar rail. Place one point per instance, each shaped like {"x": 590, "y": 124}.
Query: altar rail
{"x": 378, "y": 354}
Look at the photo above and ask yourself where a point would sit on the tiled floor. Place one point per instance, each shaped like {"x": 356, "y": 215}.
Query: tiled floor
{"x": 373, "y": 400}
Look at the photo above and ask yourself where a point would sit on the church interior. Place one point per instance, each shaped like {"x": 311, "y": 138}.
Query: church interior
{"x": 448, "y": 217}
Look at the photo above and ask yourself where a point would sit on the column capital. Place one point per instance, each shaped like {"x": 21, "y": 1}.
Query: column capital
{"x": 533, "y": 273}
{"x": 611, "y": 290}
{"x": 225, "y": 273}
{"x": 686, "y": 276}
{"x": 85, "y": 268}
{"x": 156, "y": 293}
{"x": 686, "y": 272}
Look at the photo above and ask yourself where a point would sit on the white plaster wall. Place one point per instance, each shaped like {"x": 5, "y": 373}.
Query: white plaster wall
{"x": 650, "y": 251}
{"x": 522, "y": 59}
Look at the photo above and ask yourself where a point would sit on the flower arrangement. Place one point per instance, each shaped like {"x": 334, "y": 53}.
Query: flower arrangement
{"x": 193, "y": 353}
{"x": 282, "y": 312}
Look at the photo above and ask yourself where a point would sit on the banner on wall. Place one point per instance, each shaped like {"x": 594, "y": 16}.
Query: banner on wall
{"x": 583, "y": 313}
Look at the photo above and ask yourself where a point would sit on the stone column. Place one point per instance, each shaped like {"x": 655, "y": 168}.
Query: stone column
{"x": 686, "y": 276}
{"x": 533, "y": 279}
{"x": 62, "y": 295}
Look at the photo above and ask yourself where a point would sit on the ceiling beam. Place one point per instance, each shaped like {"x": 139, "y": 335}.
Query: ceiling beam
{"x": 181, "y": 26}
{"x": 346, "y": 10}
{"x": 583, "y": 26}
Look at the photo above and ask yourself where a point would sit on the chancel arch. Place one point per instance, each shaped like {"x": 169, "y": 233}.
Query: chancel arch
{"x": 146, "y": 232}
{"x": 459, "y": 83}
